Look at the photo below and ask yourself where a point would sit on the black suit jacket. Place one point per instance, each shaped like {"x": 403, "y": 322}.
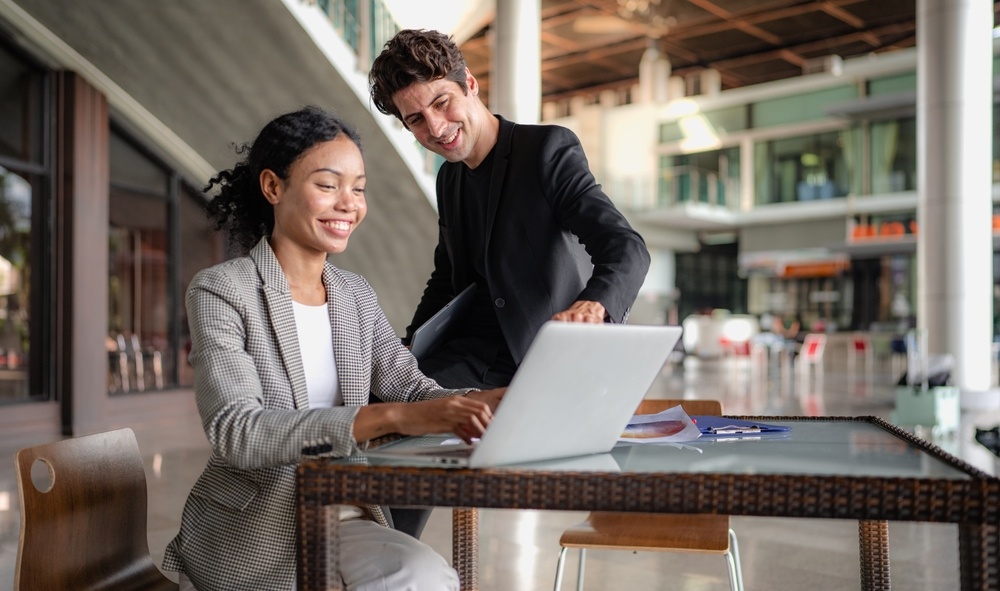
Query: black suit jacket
{"x": 554, "y": 237}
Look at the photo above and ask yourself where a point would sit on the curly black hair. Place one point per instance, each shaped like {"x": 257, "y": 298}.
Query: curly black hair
{"x": 240, "y": 207}
{"x": 413, "y": 55}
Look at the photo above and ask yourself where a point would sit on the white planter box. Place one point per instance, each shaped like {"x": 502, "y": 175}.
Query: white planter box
{"x": 938, "y": 408}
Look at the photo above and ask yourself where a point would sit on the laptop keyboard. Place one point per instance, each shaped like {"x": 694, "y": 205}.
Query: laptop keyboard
{"x": 462, "y": 452}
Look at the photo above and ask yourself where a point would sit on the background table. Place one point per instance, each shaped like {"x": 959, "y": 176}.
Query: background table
{"x": 827, "y": 467}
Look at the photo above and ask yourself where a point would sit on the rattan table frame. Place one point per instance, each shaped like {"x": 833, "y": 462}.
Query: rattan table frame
{"x": 973, "y": 504}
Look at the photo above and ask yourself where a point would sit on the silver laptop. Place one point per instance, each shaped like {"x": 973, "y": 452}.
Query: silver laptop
{"x": 573, "y": 394}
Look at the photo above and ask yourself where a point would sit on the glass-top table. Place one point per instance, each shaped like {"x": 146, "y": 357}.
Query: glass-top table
{"x": 859, "y": 468}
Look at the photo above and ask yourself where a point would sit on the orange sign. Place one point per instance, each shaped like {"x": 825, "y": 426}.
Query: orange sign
{"x": 814, "y": 269}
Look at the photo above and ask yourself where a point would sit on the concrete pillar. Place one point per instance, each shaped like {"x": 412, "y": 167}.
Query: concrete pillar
{"x": 516, "y": 80}
{"x": 711, "y": 82}
{"x": 654, "y": 72}
{"x": 676, "y": 88}
{"x": 954, "y": 245}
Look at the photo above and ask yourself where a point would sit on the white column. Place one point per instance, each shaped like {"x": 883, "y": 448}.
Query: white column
{"x": 365, "y": 33}
{"x": 654, "y": 72}
{"x": 516, "y": 80}
{"x": 954, "y": 126}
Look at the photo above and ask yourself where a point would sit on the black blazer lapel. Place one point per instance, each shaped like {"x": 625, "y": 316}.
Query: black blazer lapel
{"x": 500, "y": 158}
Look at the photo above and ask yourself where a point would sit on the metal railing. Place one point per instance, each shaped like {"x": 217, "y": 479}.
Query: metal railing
{"x": 365, "y": 25}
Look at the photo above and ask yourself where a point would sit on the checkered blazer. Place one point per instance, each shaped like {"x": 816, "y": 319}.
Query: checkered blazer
{"x": 238, "y": 526}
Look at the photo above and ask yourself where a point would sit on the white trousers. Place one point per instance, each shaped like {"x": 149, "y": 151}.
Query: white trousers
{"x": 376, "y": 558}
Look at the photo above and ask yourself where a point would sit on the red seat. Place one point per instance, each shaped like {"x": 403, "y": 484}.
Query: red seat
{"x": 860, "y": 346}
{"x": 811, "y": 354}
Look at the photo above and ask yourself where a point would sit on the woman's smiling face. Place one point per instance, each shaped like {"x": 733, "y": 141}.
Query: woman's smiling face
{"x": 323, "y": 199}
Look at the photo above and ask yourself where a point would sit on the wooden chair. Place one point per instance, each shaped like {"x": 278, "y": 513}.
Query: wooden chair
{"x": 655, "y": 531}
{"x": 83, "y": 516}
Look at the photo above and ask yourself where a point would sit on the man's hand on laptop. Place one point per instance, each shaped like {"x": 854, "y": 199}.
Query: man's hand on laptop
{"x": 583, "y": 311}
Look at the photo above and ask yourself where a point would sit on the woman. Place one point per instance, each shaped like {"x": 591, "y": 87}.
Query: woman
{"x": 286, "y": 348}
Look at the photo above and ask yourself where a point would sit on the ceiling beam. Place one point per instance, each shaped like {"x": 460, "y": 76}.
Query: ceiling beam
{"x": 736, "y": 22}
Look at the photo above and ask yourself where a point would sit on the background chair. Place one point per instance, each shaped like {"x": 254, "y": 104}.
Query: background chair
{"x": 860, "y": 346}
{"x": 748, "y": 354}
{"x": 83, "y": 516}
{"x": 656, "y": 531}
{"x": 811, "y": 354}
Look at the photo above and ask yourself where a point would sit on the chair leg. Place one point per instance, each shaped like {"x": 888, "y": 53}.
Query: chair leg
{"x": 731, "y": 569}
{"x": 732, "y": 561}
{"x": 736, "y": 569}
{"x": 559, "y": 568}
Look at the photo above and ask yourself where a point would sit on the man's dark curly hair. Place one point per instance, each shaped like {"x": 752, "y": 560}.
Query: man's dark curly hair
{"x": 413, "y": 55}
{"x": 240, "y": 207}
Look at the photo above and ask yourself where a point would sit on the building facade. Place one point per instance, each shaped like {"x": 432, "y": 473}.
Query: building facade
{"x": 790, "y": 197}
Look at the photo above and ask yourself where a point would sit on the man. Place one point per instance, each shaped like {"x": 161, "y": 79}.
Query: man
{"x": 520, "y": 215}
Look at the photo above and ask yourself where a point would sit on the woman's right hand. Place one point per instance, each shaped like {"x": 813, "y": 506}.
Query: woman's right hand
{"x": 464, "y": 416}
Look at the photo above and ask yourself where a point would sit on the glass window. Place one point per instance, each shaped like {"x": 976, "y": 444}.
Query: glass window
{"x": 133, "y": 170}
{"x": 894, "y": 156}
{"x": 384, "y": 27}
{"x": 711, "y": 177}
{"x": 141, "y": 355}
{"x": 21, "y": 109}
{"x": 807, "y": 168}
{"x": 159, "y": 237}
{"x": 709, "y": 279}
{"x": 138, "y": 289}
{"x": 344, "y": 14}
{"x": 17, "y": 193}
{"x": 25, "y": 305}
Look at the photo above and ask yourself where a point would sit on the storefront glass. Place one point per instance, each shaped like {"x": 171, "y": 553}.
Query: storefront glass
{"x": 159, "y": 237}
{"x": 711, "y": 177}
{"x": 141, "y": 355}
{"x": 21, "y": 100}
{"x": 16, "y": 197}
{"x": 24, "y": 175}
{"x": 894, "y": 156}
{"x": 807, "y": 168}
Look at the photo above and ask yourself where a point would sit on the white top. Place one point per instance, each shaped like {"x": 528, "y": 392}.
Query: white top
{"x": 316, "y": 348}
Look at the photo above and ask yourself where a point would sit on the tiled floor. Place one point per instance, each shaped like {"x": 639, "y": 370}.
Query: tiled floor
{"x": 518, "y": 549}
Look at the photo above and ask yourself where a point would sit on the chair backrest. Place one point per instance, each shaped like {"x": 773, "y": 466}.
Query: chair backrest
{"x": 692, "y": 407}
{"x": 813, "y": 345}
{"x": 88, "y": 530}
{"x": 862, "y": 342}
{"x": 738, "y": 348}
